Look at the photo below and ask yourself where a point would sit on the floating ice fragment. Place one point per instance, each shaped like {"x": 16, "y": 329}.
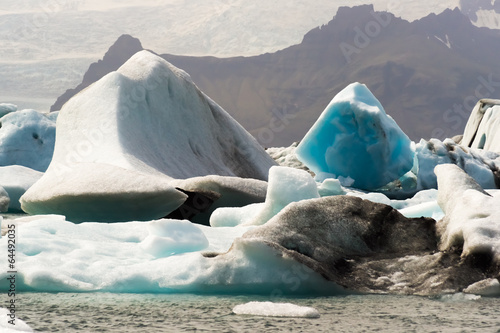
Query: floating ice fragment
{"x": 488, "y": 287}
{"x": 270, "y": 309}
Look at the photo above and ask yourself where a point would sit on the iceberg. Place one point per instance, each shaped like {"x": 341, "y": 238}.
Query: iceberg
{"x": 7, "y": 108}
{"x": 16, "y": 180}
{"x": 286, "y": 185}
{"x": 121, "y": 141}
{"x": 55, "y": 255}
{"x": 481, "y": 130}
{"x": 4, "y": 200}
{"x": 472, "y": 215}
{"x": 27, "y": 138}
{"x": 209, "y": 193}
{"x": 354, "y": 138}
{"x": 270, "y": 309}
{"x": 482, "y": 165}
{"x": 487, "y": 287}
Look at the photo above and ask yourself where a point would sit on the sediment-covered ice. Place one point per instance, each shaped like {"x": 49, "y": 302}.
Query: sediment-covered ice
{"x": 27, "y": 138}
{"x": 472, "y": 215}
{"x": 271, "y": 309}
{"x": 355, "y": 138}
{"x": 147, "y": 120}
{"x": 56, "y": 255}
{"x": 286, "y": 156}
{"x": 209, "y": 193}
{"x": 16, "y": 180}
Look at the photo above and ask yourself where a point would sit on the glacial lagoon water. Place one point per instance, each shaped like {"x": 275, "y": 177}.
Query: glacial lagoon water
{"x": 107, "y": 312}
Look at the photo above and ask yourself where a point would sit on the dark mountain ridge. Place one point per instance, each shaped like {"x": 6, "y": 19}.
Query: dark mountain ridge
{"x": 428, "y": 74}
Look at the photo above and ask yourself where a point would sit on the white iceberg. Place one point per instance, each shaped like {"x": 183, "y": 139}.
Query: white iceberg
{"x": 480, "y": 164}
{"x": 145, "y": 121}
{"x": 286, "y": 185}
{"x": 271, "y": 309}
{"x": 27, "y": 138}
{"x": 7, "y": 108}
{"x": 16, "y": 180}
{"x": 354, "y": 138}
{"x": 472, "y": 215}
{"x": 482, "y": 127}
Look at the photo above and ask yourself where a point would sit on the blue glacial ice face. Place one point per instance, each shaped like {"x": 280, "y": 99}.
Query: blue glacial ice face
{"x": 355, "y": 138}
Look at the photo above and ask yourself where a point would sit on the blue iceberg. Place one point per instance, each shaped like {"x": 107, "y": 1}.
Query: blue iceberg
{"x": 354, "y": 138}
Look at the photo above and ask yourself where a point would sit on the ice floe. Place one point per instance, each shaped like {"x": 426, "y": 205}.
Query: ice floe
{"x": 271, "y": 309}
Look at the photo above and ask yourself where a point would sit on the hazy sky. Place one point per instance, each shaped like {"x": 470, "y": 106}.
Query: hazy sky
{"x": 408, "y": 9}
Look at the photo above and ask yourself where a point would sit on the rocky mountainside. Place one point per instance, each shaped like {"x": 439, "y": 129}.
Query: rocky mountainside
{"x": 428, "y": 74}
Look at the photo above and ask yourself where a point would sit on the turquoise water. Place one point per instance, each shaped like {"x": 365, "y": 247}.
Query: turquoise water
{"x": 106, "y": 312}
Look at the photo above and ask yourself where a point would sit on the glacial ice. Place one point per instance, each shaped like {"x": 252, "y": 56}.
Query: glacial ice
{"x": 355, "y": 138}
{"x": 56, "y": 255}
{"x": 4, "y": 200}
{"x": 16, "y": 180}
{"x": 482, "y": 127}
{"x": 232, "y": 193}
{"x": 7, "y": 108}
{"x": 102, "y": 192}
{"x": 27, "y": 138}
{"x": 270, "y": 309}
{"x": 487, "y": 287}
{"x": 147, "y": 120}
{"x": 472, "y": 215}
{"x": 477, "y": 163}
{"x": 285, "y": 185}
{"x": 168, "y": 237}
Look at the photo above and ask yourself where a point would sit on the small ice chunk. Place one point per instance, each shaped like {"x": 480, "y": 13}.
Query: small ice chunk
{"x": 459, "y": 297}
{"x": 426, "y": 209}
{"x": 329, "y": 187}
{"x": 233, "y": 216}
{"x": 270, "y": 309}
{"x": 488, "y": 287}
{"x": 286, "y": 185}
{"x": 168, "y": 237}
{"x": 374, "y": 197}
